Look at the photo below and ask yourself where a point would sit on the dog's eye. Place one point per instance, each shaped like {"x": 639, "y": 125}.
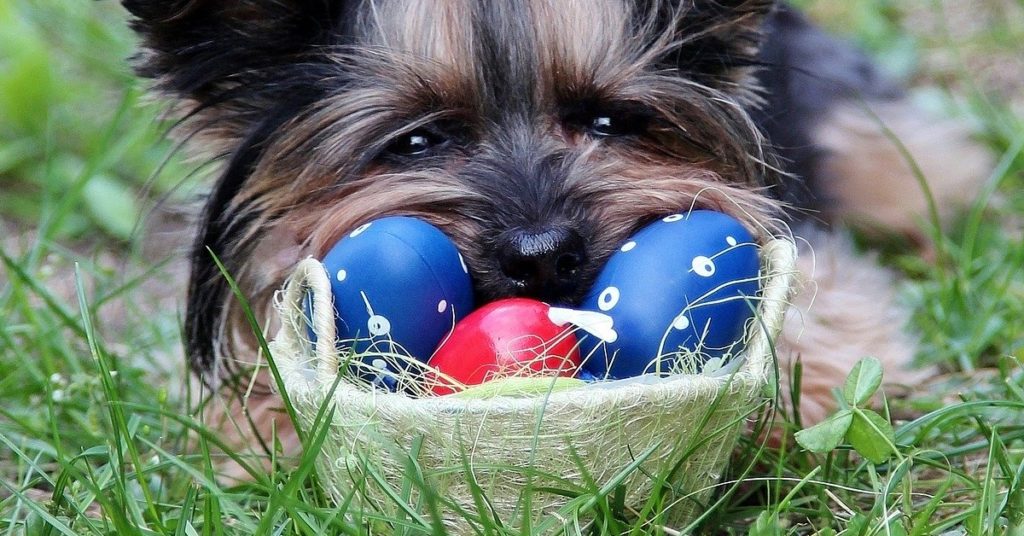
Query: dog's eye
{"x": 606, "y": 125}
{"x": 611, "y": 123}
{"x": 416, "y": 143}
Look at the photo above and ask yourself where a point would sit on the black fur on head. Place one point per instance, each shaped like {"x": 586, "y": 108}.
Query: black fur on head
{"x": 504, "y": 122}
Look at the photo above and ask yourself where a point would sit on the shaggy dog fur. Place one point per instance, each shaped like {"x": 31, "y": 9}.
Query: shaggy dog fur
{"x": 507, "y": 122}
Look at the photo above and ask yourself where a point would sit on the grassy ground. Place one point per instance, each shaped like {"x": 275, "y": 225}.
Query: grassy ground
{"x": 94, "y": 436}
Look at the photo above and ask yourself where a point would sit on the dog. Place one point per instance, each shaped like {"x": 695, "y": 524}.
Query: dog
{"x": 539, "y": 135}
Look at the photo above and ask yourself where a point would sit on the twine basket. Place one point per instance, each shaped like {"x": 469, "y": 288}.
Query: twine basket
{"x": 479, "y": 455}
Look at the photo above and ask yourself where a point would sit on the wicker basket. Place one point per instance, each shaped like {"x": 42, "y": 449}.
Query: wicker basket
{"x": 682, "y": 428}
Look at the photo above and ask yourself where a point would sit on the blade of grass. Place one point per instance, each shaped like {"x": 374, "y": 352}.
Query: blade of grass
{"x": 50, "y": 520}
{"x": 257, "y": 331}
{"x": 122, "y": 436}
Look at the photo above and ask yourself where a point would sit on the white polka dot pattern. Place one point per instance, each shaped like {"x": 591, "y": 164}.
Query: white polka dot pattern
{"x": 378, "y": 325}
{"x": 681, "y": 283}
{"x": 399, "y": 284}
{"x": 703, "y": 266}
{"x": 609, "y": 299}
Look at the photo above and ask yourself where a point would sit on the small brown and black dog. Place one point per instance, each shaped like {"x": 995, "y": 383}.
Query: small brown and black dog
{"x": 539, "y": 134}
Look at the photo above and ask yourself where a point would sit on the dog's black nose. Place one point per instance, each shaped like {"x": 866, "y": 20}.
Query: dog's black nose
{"x": 543, "y": 263}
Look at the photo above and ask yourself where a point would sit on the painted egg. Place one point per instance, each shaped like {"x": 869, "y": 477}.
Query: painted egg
{"x": 506, "y": 338}
{"x": 677, "y": 296}
{"x": 400, "y": 286}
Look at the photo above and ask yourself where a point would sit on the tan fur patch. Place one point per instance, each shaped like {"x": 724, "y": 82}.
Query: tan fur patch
{"x": 845, "y": 310}
{"x": 435, "y": 31}
{"x": 874, "y": 185}
{"x": 583, "y": 43}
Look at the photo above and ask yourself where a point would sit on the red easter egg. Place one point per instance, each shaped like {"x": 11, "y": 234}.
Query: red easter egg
{"x": 512, "y": 337}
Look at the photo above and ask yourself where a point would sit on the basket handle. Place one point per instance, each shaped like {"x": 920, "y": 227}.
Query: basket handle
{"x": 779, "y": 261}
{"x": 310, "y": 279}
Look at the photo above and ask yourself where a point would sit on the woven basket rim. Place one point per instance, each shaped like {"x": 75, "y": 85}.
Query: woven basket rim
{"x": 313, "y": 368}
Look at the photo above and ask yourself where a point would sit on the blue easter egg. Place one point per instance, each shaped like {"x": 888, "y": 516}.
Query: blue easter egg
{"x": 399, "y": 287}
{"x": 677, "y": 287}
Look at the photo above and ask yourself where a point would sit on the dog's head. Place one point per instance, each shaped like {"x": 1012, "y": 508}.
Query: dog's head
{"x": 538, "y": 134}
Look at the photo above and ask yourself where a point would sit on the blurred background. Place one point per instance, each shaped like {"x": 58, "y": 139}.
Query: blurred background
{"x": 73, "y": 127}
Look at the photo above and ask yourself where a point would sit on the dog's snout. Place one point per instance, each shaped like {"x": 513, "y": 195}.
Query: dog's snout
{"x": 543, "y": 263}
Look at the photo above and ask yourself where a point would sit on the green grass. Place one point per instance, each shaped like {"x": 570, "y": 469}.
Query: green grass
{"x": 95, "y": 432}
{"x": 73, "y": 132}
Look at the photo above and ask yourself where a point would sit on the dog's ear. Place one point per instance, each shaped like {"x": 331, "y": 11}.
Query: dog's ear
{"x": 235, "y": 56}
{"x": 715, "y": 42}
{"x": 240, "y": 69}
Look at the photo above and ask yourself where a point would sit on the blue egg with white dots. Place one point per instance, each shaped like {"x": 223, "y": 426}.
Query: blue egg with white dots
{"x": 399, "y": 287}
{"x": 681, "y": 288}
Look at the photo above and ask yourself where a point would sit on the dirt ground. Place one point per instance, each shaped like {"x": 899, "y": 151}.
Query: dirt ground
{"x": 154, "y": 278}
